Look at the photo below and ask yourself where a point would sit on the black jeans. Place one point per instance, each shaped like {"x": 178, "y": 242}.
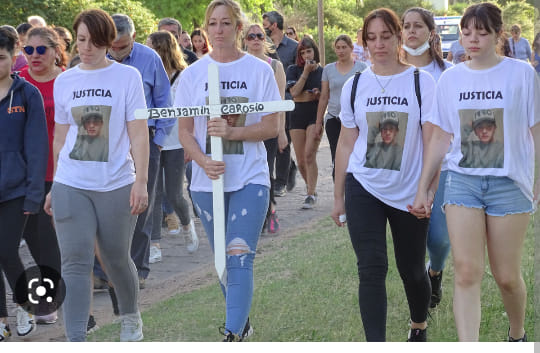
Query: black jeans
{"x": 333, "y": 129}
{"x": 12, "y": 222}
{"x": 366, "y": 220}
{"x": 271, "y": 152}
{"x": 41, "y": 238}
{"x": 283, "y": 159}
{"x": 170, "y": 184}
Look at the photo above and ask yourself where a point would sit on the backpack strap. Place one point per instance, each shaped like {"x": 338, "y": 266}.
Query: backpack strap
{"x": 175, "y": 76}
{"x": 417, "y": 90}
{"x": 353, "y": 90}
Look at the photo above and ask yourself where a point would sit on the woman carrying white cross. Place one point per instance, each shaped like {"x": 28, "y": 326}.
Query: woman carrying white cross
{"x": 243, "y": 78}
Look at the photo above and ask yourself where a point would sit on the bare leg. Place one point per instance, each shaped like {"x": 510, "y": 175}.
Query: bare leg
{"x": 467, "y": 230}
{"x": 505, "y": 243}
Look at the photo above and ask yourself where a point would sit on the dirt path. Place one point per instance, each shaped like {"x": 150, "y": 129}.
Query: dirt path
{"x": 182, "y": 272}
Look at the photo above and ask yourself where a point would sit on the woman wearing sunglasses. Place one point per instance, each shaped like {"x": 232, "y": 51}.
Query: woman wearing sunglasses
{"x": 291, "y": 33}
{"x": 46, "y": 59}
{"x": 257, "y": 45}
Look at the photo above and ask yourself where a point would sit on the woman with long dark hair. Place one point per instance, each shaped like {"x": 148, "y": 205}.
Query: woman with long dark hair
{"x": 201, "y": 44}
{"x": 493, "y": 117}
{"x": 378, "y": 163}
{"x": 304, "y": 82}
{"x": 420, "y": 49}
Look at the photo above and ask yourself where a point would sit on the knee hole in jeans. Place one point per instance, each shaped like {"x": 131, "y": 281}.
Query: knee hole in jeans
{"x": 238, "y": 247}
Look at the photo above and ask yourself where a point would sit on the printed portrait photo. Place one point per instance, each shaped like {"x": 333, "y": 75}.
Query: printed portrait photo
{"x": 482, "y": 138}
{"x": 92, "y": 142}
{"x": 231, "y": 147}
{"x": 386, "y": 138}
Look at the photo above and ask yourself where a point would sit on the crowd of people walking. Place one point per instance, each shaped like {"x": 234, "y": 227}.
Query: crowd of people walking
{"x": 442, "y": 150}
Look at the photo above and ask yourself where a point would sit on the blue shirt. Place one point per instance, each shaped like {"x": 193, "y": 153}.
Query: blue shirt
{"x": 156, "y": 86}
{"x": 520, "y": 49}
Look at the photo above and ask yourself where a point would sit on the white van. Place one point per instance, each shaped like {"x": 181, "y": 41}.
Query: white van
{"x": 448, "y": 29}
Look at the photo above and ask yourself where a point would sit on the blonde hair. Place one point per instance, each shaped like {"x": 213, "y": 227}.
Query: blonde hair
{"x": 235, "y": 11}
{"x": 268, "y": 46}
{"x": 165, "y": 44}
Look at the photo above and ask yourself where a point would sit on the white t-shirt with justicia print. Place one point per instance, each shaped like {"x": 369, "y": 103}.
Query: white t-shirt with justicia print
{"x": 97, "y": 105}
{"x": 387, "y": 156}
{"x": 490, "y": 113}
{"x": 247, "y": 79}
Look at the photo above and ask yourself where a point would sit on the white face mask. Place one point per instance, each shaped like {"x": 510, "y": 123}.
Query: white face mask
{"x": 418, "y": 51}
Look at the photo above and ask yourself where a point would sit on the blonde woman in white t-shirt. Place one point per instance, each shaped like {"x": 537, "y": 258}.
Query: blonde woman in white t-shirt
{"x": 489, "y": 196}
{"x": 385, "y": 125}
{"x": 243, "y": 78}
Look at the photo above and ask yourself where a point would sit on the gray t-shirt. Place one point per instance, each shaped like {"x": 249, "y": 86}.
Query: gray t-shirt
{"x": 335, "y": 83}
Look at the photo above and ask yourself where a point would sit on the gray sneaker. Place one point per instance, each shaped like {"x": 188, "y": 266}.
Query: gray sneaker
{"x": 309, "y": 202}
{"x": 131, "y": 328}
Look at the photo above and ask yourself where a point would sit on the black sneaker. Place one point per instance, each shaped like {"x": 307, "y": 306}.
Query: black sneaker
{"x": 279, "y": 190}
{"x": 436, "y": 289}
{"x": 229, "y": 336}
{"x": 291, "y": 179}
{"x": 417, "y": 335}
{"x": 91, "y": 326}
{"x": 114, "y": 301}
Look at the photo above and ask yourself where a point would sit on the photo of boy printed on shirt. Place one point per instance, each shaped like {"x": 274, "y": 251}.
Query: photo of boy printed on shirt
{"x": 92, "y": 142}
{"x": 231, "y": 147}
{"x": 386, "y": 138}
{"x": 482, "y": 138}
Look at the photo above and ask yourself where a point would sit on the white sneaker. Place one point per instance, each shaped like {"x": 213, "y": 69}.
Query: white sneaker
{"x": 131, "y": 328}
{"x": 47, "y": 319}
{"x": 155, "y": 254}
{"x": 25, "y": 322}
{"x": 191, "y": 237}
{"x": 5, "y": 332}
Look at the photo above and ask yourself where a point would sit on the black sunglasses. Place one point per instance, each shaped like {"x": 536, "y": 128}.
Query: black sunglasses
{"x": 41, "y": 49}
{"x": 290, "y": 33}
{"x": 252, "y": 36}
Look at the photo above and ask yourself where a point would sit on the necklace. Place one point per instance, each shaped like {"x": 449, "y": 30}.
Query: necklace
{"x": 383, "y": 88}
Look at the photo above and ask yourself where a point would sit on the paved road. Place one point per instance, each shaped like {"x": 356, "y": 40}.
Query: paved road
{"x": 181, "y": 272}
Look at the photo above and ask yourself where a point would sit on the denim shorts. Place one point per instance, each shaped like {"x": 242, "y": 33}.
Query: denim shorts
{"x": 498, "y": 196}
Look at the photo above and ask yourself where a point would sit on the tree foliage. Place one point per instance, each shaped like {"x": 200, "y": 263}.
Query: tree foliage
{"x": 63, "y": 12}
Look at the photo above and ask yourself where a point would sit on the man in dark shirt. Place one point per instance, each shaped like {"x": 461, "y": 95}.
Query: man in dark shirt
{"x": 286, "y": 49}
{"x": 173, "y": 25}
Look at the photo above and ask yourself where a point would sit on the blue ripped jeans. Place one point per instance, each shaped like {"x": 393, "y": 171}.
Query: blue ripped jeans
{"x": 245, "y": 212}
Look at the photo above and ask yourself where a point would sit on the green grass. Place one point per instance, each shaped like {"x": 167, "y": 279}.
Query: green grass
{"x": 306, "y": 289}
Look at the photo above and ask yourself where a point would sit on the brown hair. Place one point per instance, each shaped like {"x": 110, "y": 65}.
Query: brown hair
{"x": 100, "y": 26}
{"x": 165, "y": 44}
{"x": 201, "y": 33}
{"x": 52, "y": 39}
{"x": 304, "y": 44}
{"x": 235, "y": 12}
{"x": 485, "y": 16}
{"x": 429, "y": 21}
{"x": 344, "y": 38}
{"x": 390, "y": 19}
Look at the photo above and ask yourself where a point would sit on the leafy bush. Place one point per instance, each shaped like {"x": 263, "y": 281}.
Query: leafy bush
{"x": 63, "y": 12}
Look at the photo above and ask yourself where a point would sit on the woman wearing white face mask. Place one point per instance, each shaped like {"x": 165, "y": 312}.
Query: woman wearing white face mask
{"x": 419, "y": 49}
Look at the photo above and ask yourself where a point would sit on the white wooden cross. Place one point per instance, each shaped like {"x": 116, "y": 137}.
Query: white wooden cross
{"x": 215, "y": 109}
